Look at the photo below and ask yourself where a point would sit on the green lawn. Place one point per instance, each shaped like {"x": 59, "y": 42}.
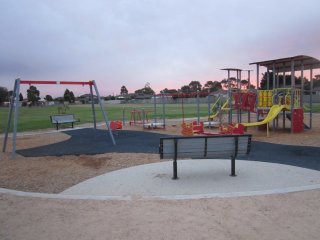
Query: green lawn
{"x": 32, "y": 118}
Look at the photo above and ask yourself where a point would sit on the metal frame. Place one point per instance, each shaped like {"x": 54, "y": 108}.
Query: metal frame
{"x": 14, "y": 105}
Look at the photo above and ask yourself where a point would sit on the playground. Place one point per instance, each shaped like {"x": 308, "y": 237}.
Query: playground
{"x": 69, "y": 168}
{"x": 297, "y": 211}
{"x": 51, "y": 161}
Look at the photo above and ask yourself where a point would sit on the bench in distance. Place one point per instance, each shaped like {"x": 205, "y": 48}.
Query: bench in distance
{"x": 62, "y": 119}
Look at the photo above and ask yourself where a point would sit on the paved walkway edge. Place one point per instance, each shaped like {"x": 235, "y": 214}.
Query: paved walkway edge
{"x": 169, "y": 197}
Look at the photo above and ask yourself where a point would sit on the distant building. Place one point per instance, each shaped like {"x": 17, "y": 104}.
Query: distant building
{"x": 317, "y": 90}
{"x": 86, "y": 98}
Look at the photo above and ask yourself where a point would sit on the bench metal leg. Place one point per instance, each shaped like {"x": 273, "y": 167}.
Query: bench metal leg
{"x": 175, "y": 170}
{"x": 233, "y": 167}
{"x": 175, "y": 165}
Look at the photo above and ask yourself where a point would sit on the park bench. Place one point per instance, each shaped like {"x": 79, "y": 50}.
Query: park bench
{"x": 62, "y": 119}
{"x": 204, "y": 147}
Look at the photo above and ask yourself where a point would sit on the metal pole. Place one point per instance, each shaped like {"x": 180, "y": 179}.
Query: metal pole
{"x": 9, "y": 117}
{"x": 230, "y": 99}
{"x": 292, "y": 93}
{"x": 163, "y": 110}
{"x": 302, "y": 85}
{"x": 209, "y": 111}
{"x": 284, "y": 76}
{"x": 311, "y": 93}
{"x": 249, "y": 86}
{"x": 268, "y": 78}
{"x": 15, "y": 118}
{"x": 240, "y": 100}
{"x": 155, "y": 109}
{"x": 182, "y": 108}
{"x": 143, "y": 117}
{"x": 257, "y": 99}
{"x": 249, "y": 80}
{"x": 104, "y": 113}
{"x": 274, "y": 76}
{"x": 273, "y": 88}
{"x": 123, "y": 116}
{"x": 198, "y": 106}
{"x": 93, "y": 110}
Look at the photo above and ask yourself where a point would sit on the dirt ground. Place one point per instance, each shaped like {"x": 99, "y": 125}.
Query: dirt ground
{"x": 280, "y": 216}
{"x": 54, "y": 174}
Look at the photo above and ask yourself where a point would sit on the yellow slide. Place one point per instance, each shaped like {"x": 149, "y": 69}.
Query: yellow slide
{"x": 222, "y": 109}
{"x": 273, "y": 113}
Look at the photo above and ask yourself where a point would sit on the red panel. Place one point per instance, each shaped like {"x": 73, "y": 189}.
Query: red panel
{"x": 55, "y": 82}
{"x": 75, "y": 83}
{"x": 37, "y": 82}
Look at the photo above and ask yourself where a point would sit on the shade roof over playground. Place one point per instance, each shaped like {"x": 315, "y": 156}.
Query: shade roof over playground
{"x": 284, "y": 64}
{"x": 231, "y": 69}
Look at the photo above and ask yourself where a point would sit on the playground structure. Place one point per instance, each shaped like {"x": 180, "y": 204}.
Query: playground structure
{"x": 14, "y": 107}
{"x": 138, "y": 117}
{"x": 269, "y": 103}
{"x": 288, "y": 97}
{"x": 235, "y": 99}
{"x": 141, "y": 116}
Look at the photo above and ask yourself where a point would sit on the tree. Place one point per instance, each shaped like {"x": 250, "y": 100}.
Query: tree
{"x": 244, "y": 84}
{"x": 33, "y": 94}
{"x": 263, "y": 82}
{"x": 48, "y": 98}
{"x": 3, "y": 94}
{"x": 146, "y": 90}
{"x": 72, "y": 98}
{"x": 20, "y": 97}
{"x": 195, "y": 86}
{"x": 185, "y": 89}
{"x": 68, "y": 96}
{"x": 123, "y": 90}
{"x": 212, "y": 86}
{"x": 232, "y": 83}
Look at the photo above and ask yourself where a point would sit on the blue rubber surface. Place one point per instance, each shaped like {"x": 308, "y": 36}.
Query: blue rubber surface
{"x": 90, "y": 142}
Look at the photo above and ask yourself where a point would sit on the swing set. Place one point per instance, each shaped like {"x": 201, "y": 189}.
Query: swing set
{"x": 14, "y": 108}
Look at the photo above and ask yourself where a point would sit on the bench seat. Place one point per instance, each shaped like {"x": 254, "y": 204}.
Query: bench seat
{"x": 204, "y": 147}
{"x": 62, "y": 119}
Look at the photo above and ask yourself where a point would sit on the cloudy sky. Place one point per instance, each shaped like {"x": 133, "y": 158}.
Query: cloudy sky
{"x": 167, "y": 43}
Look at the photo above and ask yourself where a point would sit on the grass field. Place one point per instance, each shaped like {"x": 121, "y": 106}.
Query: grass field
{"x": 33, "y": 118}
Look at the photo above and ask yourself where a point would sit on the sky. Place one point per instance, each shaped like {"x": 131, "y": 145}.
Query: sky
{"x": 167, "y": 43}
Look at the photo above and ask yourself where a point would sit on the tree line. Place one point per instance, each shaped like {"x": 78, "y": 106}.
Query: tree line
{"x": 33, "y": 94}
{"x": 193, "y": 87}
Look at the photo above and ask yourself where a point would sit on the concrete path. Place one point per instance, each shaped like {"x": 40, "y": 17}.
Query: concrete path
{"x": 197, "y": 179}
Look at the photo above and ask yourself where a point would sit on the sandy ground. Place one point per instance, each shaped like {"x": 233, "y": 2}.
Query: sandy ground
{"x": 286, "y": 216}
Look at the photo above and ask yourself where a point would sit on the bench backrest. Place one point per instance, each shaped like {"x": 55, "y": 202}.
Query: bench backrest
{"x": 220, "y": 146}
{"x": 65, "y": 118}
